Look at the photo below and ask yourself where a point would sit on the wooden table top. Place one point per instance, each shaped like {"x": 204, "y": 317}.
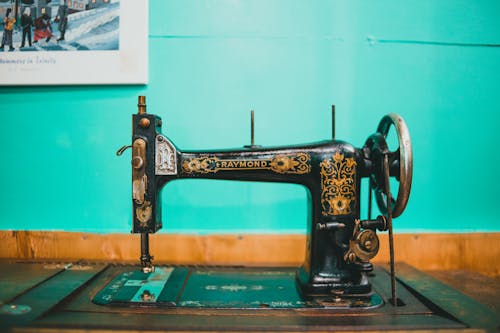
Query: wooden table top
{"x": 48, "y": 296}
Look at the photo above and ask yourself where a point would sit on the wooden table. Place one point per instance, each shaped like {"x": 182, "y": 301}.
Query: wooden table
{"x": 52, "y": 296}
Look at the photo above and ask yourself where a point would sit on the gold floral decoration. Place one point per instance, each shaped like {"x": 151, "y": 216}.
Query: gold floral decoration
{"x": 338, "y": 185}
{"x": 298, "y": 164}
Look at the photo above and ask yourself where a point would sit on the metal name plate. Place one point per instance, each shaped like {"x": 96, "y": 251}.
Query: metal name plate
{"x": 165, "y": 157}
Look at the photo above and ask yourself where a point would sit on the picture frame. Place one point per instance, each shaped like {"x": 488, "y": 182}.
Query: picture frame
{"x": 103, "y": 42}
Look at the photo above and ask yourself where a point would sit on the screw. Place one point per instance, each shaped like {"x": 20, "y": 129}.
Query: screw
{"x": 144, "y": 122}
{"x": 147, "y": 296}
{"x": 137, "y": 162}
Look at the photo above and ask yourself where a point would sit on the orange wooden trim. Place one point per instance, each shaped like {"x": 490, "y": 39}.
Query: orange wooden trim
{"x": 472, "y": 251}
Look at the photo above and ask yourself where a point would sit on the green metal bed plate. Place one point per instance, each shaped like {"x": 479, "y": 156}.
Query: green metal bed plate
{"x": 236, "y": 288}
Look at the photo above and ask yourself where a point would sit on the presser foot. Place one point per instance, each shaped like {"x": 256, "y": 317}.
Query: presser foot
{"x": 148, "y": 269}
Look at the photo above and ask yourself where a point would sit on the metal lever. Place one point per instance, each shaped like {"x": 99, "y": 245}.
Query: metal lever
{"x": 120, "y": 151}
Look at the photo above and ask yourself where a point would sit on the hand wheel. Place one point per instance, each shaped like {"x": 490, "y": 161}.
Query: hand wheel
{"x": 400, "y": 163}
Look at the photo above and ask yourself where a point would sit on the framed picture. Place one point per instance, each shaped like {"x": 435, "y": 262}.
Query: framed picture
{"x": 53, "y": 42}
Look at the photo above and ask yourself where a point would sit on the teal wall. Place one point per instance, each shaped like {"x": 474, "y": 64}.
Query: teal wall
{"x": 210, "y": 62}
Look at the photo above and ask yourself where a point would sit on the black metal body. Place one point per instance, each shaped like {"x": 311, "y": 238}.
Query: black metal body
{"x": 330, "y": 170}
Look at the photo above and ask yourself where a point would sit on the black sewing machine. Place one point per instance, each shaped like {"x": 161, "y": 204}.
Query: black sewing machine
{"x": 337, "y": 288}
{"x": 340, "y": 243}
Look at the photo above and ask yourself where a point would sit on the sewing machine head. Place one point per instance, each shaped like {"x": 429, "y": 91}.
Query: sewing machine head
{"x": 340, "y": 243}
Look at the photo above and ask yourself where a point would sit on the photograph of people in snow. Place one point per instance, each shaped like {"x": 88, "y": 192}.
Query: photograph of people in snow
{"x": 59, "y": 25}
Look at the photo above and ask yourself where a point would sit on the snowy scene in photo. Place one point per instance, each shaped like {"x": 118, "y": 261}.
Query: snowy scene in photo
{"x": 73, "y": 42}
{"x": 59, "y": 25}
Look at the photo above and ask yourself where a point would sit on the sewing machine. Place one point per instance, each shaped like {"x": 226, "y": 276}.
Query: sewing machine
{"x": 336, "y": 288}
{"x": 340, "y": 243}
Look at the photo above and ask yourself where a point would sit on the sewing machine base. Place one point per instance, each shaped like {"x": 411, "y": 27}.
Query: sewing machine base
{"x": 54, "y": 296}
{"x": 222, "y": 287}
{"x": 354, "y": 285}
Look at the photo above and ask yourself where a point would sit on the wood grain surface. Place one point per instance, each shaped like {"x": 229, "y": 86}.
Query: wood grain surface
{"x": 471, "y": 251}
